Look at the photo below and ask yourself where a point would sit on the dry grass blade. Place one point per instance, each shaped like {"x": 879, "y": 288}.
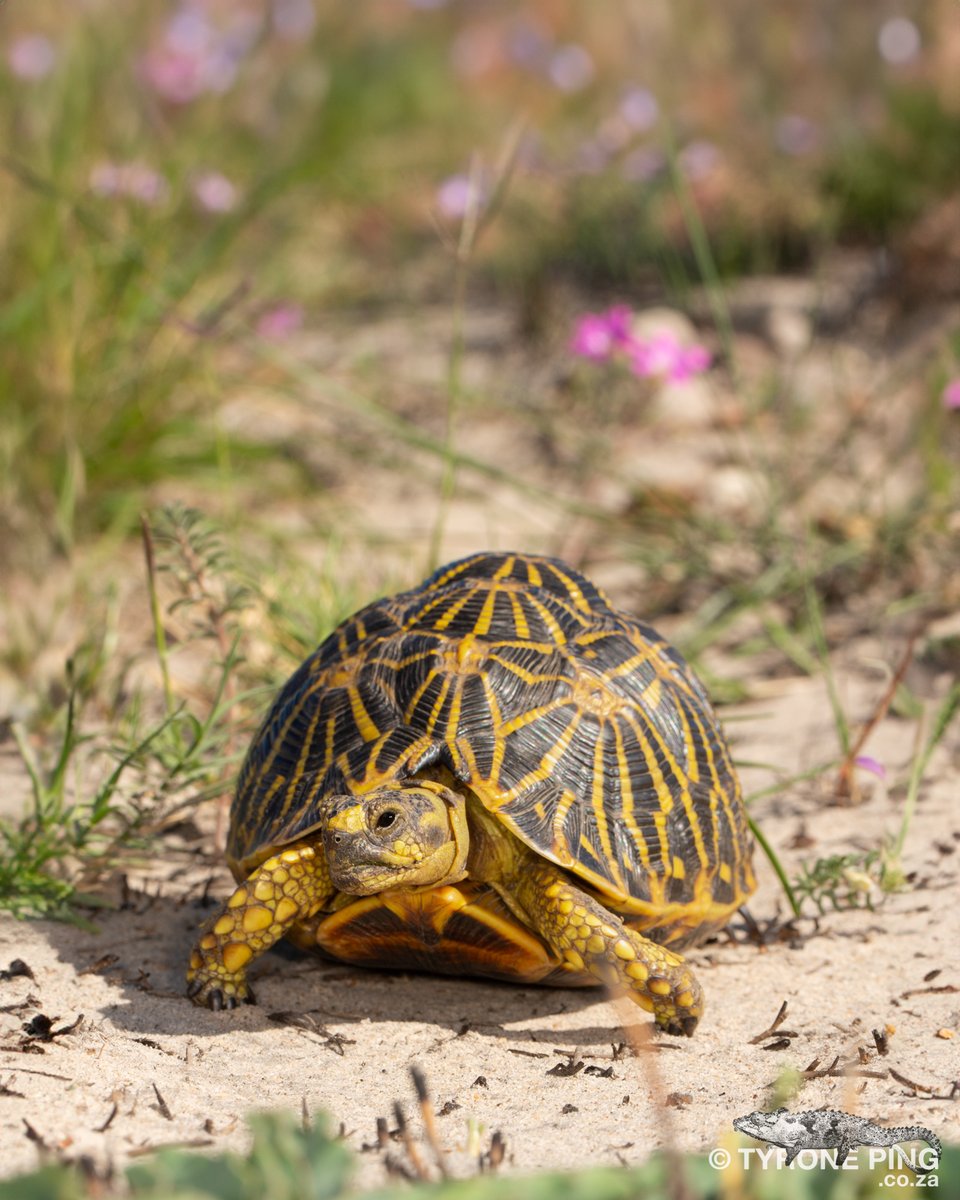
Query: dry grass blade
{"x": 429, "y": 1121}
{"x": 411, "y": 1147}
{"x": 846, "y": 780}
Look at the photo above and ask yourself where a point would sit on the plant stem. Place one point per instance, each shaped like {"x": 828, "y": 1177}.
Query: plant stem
{"x": 159, "y": 634}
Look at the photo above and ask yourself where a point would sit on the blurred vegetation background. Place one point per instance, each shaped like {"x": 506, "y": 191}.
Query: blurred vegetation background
{"x": 184, "y": 185}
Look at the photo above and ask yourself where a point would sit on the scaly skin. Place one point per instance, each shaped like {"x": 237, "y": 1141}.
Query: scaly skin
{"x": 579, "y": 930}
{"x": 289, "y": 887}
{"x": 588, "y": 936}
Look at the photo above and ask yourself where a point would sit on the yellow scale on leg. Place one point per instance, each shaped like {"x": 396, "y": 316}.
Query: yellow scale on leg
{"x": 287, "y": 888}
{"x": 590, "y": 937}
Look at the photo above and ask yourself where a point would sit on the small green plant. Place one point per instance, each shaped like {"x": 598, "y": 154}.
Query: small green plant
{"x": 841, "y": 881}
{"x": 64, "y": 838}
{"x": 892, "y": 876}
{"x": 78, "y": 828}
{"x": 288, "y": 1161}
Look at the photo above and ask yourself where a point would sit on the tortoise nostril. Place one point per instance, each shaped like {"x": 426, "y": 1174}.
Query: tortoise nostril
{"x": 337, "y": 838}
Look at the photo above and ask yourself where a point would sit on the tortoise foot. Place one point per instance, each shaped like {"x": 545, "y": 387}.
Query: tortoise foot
{"x": 210, "y": 985}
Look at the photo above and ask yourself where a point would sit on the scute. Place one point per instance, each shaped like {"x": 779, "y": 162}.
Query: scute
{"x": 581, "y": 728}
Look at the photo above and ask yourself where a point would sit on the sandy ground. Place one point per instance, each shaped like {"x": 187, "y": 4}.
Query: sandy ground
{"x": 125, "y": 1063}
{"x": 140, "y": 1067}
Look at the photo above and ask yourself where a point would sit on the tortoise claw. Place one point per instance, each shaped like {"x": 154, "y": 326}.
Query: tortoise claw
{"x": 680, "y": 1026}
{"x": 215, "y": 1000}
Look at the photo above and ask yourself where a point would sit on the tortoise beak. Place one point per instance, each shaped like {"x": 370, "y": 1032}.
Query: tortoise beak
{"x": 359, "y": 839}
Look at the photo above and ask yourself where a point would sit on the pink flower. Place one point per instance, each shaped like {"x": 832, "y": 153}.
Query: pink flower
{"x": 458, "y": 194}
{"x": 214, "y": 193}
{"x": 571, "y": 68}
{"x": 603, "y": 336}
{"x": 640, "y": 109}
{"x": 31, "y": 57}
{"x": 698, "y": 159}
{"x": 592, "y": 338}
{"x": 134, "y": 180}
{"x": 898, "y": 41}
{"x": 195, "y": 56}
{"x": 598, "y": 335}
{"x": 279, "y": 322}
{"x": 873, "y": 765}
{"x": 951, "y": 394}
{"x": 664, "y": 355}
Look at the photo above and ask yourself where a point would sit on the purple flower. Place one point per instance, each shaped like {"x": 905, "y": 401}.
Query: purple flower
{"x": 663, "y": 355}
{"x": 873, "y": 765}
{"x": 598, "y": 336}
{"x": 898, "y": 41}
{"x": 527, "y": 43}
{"x": 279, "y": 322}
{"x": 195, "y": 56}
{"x": 640, "y": 109}
{"x": 31, "y": 57}
{"x": 797, "y": 134}
{"x": 571, "y": 68}
{"x": 176, "y": 77}
{"x": 698, "y": 159}
{"x": 134, "y": 180}
{"x": 951, "y": 394}
{"x": 214, "y": 193}
{"x": 458, "y": 194}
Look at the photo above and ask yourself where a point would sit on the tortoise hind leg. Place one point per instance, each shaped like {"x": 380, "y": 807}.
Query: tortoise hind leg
{"x": 588, "y": 936}
{"x": 290, "y": 887}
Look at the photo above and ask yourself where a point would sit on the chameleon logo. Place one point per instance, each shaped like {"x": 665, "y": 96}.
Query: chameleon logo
{"x": 825, "y": 1129}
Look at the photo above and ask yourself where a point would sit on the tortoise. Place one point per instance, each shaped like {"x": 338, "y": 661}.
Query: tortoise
{"x": 496, "y": 774}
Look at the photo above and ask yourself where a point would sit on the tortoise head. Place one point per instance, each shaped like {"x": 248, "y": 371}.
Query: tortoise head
{"x": 405, "y": 836}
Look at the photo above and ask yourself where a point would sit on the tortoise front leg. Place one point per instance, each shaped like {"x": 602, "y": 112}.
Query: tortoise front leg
{"x": 290, "y": 887}
{"x": 588, "y": 936}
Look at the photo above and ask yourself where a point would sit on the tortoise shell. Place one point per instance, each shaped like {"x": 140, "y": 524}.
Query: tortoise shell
{"x": 581, "y": 728}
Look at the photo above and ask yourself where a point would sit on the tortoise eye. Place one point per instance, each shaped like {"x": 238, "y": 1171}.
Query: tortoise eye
{"x": 386, "y": 819}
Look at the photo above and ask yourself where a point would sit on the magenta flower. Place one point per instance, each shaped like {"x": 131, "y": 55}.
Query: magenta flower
{"x": 598, "y": 336}
{"x": 31, "y": 57}
{"x": 951, "y": 394}
{"x": 607, "y": 335}
{"x": 873, "y": 765}
{"x": 279, "y": 322}
{"x": 665, "y": 356}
